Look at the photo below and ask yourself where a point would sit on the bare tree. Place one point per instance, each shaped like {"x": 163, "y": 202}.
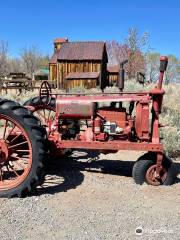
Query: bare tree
{"x": 133, "y": 49}
{"x": 178, "y": 73}
{"x": 137, "y": 46}
{"x": 117, "y": 52}
{"x": 152, "y": 66}
{"x": 44, "y": 61}
{"x": 3, "y": 58}
{"x": 31, "y": 59}
{"x": 15, "y": 65}
{"x": 172, "y": 71}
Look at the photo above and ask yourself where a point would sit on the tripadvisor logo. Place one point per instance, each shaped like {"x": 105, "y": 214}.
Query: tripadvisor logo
{"x": 139, "y": 231}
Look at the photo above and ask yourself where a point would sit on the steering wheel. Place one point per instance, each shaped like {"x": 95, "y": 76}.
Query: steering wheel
{"x": 45, "y": 91}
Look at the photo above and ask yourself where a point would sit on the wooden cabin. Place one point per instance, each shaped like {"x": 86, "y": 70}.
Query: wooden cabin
{"x": 79, "y": 64}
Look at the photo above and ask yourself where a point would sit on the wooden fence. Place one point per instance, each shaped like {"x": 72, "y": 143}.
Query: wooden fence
{"x": 19, "y": 85}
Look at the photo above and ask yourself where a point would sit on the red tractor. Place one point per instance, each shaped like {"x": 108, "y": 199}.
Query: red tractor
{"x": 66, "y": 122}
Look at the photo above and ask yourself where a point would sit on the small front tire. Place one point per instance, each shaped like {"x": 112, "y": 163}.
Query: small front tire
{"x": 144, "y": 171}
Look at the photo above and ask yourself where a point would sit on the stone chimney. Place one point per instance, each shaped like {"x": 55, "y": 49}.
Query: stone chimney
{"x": 58, "y": 43}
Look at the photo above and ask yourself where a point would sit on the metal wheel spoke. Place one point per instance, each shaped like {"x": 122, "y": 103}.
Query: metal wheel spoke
{"x": 16, "y": 137}
{"x": 49, "y": 115}
{"x": 41, "y": 115}
{"x": 16, "y": 145}
{"x": 44, "y": 111}
{"x": 14, "y": 170}
{"x": 38, "y": 114}
{"x": 7, "y": 168}
{"x": 1, "y": 175}
{"x": 10, "y": 132}
{"x": 5, "y": 128}
{"x": 16, "y": 152}
{"x": 45, "y": 115}
{"x": 53, "y": 117}
{"x": 22, "y": 150}
{"x": 16, "y": 158}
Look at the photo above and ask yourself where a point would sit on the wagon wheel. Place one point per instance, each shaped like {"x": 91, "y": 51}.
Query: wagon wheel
{"x": 26, "y": 85}
{"x": 45, "y": 91}
{"x": 30, "y": 85}
{"x": 22, "y": 149}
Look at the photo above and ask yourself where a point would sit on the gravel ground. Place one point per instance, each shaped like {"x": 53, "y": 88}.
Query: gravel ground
{"x": 93, "y": 200}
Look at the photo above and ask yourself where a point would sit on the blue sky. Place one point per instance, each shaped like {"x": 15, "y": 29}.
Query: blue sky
{"x": 38, "y": 22}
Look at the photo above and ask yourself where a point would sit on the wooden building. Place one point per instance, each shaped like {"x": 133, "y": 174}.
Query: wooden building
{"x": 41, "y": 74}
{"x": 113, "y": 75}
{"x": 79, "y": 64}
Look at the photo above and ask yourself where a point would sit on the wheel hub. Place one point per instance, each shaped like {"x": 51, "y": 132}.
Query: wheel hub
{"x": 4, "y": 151}
{"x": 152, "y": 178}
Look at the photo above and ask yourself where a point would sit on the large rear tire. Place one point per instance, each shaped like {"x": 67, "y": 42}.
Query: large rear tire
{"x": 23, "y": 149}
{"x": 37, "y": 103}
{"x": 45, "y": 112}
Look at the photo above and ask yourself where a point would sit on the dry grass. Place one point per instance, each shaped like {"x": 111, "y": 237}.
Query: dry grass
{"x": 171, "y": 117}
{"x": 170, "y": 113}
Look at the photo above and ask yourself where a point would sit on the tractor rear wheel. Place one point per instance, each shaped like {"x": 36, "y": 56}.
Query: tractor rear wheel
{"x": 22, "y": 150}
{"x": 45, "y": 112}
{"x": 144, "y": 170}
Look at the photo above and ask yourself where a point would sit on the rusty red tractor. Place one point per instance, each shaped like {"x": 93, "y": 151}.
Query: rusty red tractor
{"x": 60, "y": 123}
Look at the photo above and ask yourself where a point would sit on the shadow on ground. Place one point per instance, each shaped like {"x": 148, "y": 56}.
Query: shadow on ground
{"x": 65, "y": 174}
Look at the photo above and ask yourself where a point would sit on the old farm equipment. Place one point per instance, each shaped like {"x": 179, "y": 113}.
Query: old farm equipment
{"x": 97, "y": 122}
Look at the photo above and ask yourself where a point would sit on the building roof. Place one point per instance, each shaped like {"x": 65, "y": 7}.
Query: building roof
{"x": 113, "y": 69}
{"x": 79, "y": 51}
{"x": 60, "y": 40}
{"x": 53, "y": 59}
{"x": 82, "y": 75}
{"x": 42, "y": 71}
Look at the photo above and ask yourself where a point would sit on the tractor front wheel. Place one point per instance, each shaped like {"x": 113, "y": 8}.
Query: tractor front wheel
{"x": 22, "y": 150}
{"x": 144, "y": 170}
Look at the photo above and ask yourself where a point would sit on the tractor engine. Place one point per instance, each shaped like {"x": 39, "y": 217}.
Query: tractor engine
{"x": 85, "y": 121}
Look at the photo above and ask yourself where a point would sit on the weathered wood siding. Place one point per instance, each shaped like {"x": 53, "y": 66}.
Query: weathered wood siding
{"x": 66, "y": 67}
{"x": 53, "y": 72}
{"x": 60, "y": 70}
{"x": 113, "y": 79}
{"x": 84, "y": 83}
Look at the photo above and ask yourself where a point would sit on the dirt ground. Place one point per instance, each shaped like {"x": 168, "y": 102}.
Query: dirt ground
{"x": 87, "y": 199}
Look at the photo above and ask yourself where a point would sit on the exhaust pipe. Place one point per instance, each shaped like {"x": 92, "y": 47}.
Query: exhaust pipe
{"x": 122, "y": 75}
{"x": 162, "y": 69}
